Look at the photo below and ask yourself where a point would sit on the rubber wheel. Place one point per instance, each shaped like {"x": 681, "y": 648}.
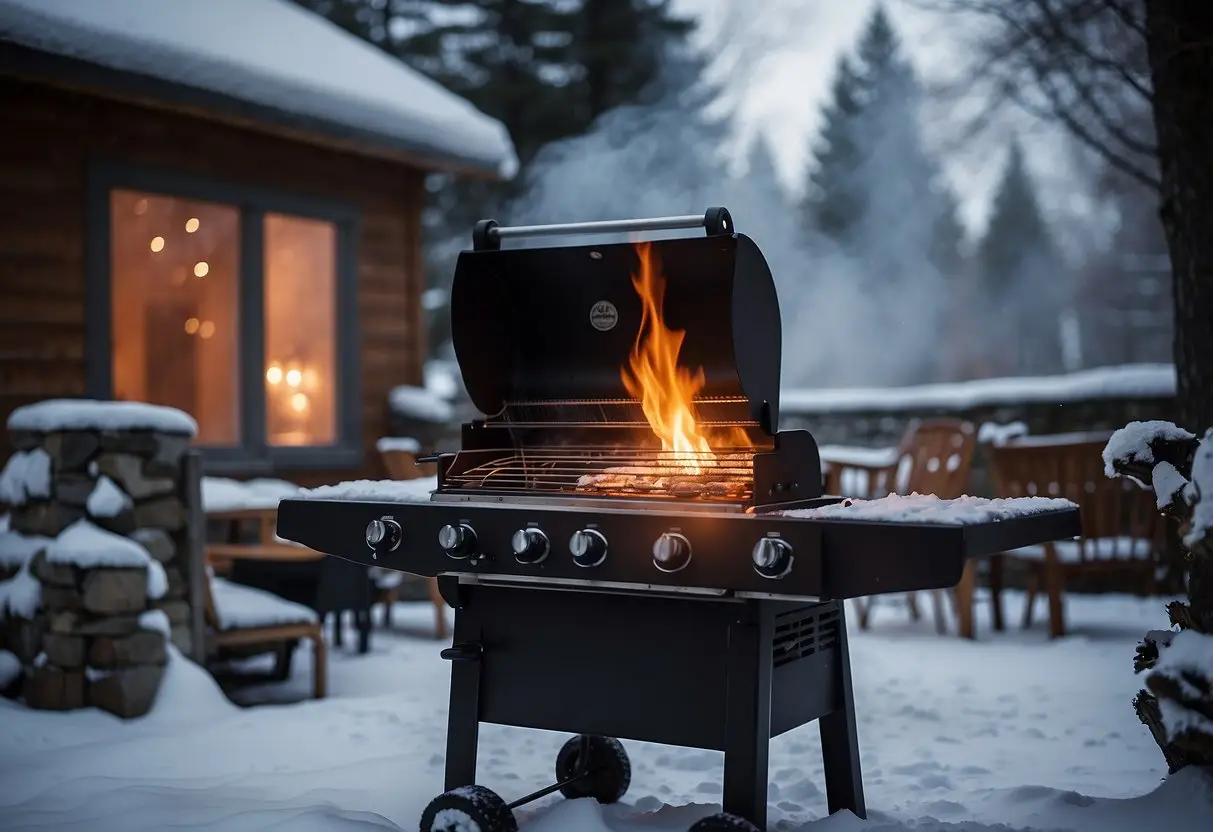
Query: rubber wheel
{"x": 723, "y": 822}
{"x": 610, "y": 770}
{"x": 468, "y": 809}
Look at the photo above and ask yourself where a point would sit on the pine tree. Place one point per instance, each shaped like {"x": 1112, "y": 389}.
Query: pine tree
{"x": 873, "y": 188}
{"x": 876, "y": 198}
{"x": 833, "y": 204}
{"x": 1022, "y": 275}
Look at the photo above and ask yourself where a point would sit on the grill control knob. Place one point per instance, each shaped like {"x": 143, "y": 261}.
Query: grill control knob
{"x": 589, "y": 547}
{"x": 383, "y": 535}
{"x": 772, "y": 557}
{"x": 458, "y": 541}
{"x": 530, "y": 546}
{"x": 671, "y": 552}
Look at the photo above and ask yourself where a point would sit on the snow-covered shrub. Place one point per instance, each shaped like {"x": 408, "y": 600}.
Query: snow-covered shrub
{"x": 1177, "y": 703}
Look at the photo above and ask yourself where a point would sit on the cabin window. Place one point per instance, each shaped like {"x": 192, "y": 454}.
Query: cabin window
{"x": 174, "y": 308}
{"x": 236, "y": 307}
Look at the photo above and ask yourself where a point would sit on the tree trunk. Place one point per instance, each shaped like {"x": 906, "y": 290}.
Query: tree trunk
{"x": 1179, "y": 37}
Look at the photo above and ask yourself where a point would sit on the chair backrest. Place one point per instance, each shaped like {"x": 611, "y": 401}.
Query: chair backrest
{"x": 1117, "y": 515}
{"x": 936, "y": 458}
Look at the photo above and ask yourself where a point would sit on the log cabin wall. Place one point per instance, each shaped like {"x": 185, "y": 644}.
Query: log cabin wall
{"x": 50, "y": 137}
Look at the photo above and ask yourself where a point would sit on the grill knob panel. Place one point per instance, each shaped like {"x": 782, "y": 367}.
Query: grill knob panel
{"x": 589, "y": 547}
{"x": 671, "y": 552}
{"x": 383, "y": 535}
{"x": 772, "y": 557}
{"x": 531, "y": 546}
{"x": 458, "y": 541}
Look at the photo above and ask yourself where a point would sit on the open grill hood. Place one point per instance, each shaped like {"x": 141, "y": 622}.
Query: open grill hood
{"x": 544, "y": 326}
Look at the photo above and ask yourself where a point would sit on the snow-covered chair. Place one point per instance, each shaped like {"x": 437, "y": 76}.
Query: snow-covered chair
{"x": 1122, "y": 530}
{"x": 241, "y": 616}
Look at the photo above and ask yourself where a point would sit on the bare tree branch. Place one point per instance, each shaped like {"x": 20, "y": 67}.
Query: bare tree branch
{"x": 1080, "y": 64}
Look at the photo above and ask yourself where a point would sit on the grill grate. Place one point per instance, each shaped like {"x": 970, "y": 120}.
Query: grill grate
{"x": 801, "y": 633}
{"x": 606, "y": 471}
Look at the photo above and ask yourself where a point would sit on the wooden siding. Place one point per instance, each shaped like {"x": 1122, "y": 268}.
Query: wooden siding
{"x": 51, "y": 134}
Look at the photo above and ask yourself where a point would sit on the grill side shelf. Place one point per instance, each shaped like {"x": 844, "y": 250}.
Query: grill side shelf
{"x": 866, "y": 557}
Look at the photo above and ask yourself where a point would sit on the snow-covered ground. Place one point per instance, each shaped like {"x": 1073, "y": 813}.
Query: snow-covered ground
{"x": 1012, "y": 732}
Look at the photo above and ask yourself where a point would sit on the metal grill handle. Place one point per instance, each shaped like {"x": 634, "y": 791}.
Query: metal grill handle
{"x": 487, "y": 234}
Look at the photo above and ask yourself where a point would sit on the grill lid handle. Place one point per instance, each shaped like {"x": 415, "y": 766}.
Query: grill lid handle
{"x": 487, "y": 234}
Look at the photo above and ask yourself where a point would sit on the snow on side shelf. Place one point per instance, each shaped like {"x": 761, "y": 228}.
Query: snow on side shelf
{"x": 1132, "y": 443}
{"x": 91, "y": 414}
{"x": 408, "y": 444}
{"x": 374, "y": 491}
{"x": 927, "y": 508}
{"x": 419, "y": 403}
{"x": 84, "y": 545}
{"x": 222, "y": 494}
{"x": 26, "y": 476}
{"x": 1130, "y": 380}
{"x": 107, "y": 499}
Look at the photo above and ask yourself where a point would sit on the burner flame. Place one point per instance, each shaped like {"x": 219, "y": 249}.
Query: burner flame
{"x": 652, "y": 375}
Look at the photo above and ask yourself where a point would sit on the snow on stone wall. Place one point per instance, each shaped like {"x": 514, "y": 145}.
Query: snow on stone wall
{"x": 94, "y": 564}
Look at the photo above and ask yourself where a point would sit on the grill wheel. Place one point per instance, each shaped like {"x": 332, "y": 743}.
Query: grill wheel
{"x": 468, "y": 808}
{"x": 609, "y": 770}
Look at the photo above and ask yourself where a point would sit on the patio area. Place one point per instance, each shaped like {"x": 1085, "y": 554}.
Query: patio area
{"x": 1016, "y": 731}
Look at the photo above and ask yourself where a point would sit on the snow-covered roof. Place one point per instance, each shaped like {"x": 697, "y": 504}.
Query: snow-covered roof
{"x": 1130, "y": 380}
{"x": 295, "y": 68}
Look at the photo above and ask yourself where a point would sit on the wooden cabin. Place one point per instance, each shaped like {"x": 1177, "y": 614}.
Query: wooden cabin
{"x": 215, "y": 205}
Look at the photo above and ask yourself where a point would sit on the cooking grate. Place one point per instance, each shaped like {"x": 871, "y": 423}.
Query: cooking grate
{"x": 726, "y": 475}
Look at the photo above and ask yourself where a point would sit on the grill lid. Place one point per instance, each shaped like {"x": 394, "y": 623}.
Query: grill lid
{"x": 535, "y": 325}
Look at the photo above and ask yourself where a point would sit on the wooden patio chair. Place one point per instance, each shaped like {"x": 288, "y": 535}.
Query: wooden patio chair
{"x": 241, "y": 616}
{"x": 935, "y": 457}
{"x": 1122, "y": 529}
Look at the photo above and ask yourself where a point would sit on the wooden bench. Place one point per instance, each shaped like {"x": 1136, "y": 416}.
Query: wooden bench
{"x": 240, "y": 616}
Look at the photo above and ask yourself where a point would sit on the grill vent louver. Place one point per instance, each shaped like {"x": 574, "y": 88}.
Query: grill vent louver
{"x": 803, "y": 632}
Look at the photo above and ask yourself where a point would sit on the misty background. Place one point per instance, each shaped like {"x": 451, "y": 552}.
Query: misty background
{"x": 888, "y": 273}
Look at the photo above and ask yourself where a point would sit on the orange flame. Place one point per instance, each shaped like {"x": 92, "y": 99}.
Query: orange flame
{"x": 652, "y": 375}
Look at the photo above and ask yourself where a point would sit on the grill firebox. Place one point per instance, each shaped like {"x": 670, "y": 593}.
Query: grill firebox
{"x": 606, "y": 586}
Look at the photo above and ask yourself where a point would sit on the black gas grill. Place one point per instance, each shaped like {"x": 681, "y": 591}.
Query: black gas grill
{"x": 608, "y": 584}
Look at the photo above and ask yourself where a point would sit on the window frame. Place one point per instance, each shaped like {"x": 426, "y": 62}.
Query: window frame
{"x": 254, "y": 455}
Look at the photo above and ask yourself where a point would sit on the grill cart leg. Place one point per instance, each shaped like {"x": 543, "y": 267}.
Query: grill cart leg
{"x": 463, "y": 717}
{"x": 748, "y": 717}
{"x": 839, "y": 741}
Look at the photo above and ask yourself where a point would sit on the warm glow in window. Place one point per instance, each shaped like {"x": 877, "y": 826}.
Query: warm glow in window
{"x": 175, "y": 338}
{"x": 300, "y": 331}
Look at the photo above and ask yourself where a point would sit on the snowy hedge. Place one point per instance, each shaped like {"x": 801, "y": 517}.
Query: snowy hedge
{"x": 1177, "y": 704}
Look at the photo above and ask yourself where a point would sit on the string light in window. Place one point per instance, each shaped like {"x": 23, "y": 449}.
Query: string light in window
{"x": 274, "y": 374}
{"x": 294, "y": 378}
{"x": 206, "y": 329}
{"x": 299, "y": 403}
{"x": 201, "y": 268}
{"x": 191, "y": 326}
{"x": 191, "y": 225}
{"x": 157, "y": 244}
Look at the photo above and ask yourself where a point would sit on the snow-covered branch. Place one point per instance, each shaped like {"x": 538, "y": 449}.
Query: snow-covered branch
{"x": 1177, "y": 705}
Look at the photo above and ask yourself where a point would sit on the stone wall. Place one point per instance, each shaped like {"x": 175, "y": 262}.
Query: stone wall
{"x": 1095, "y": 401}
{"x": 97, "y": 554}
